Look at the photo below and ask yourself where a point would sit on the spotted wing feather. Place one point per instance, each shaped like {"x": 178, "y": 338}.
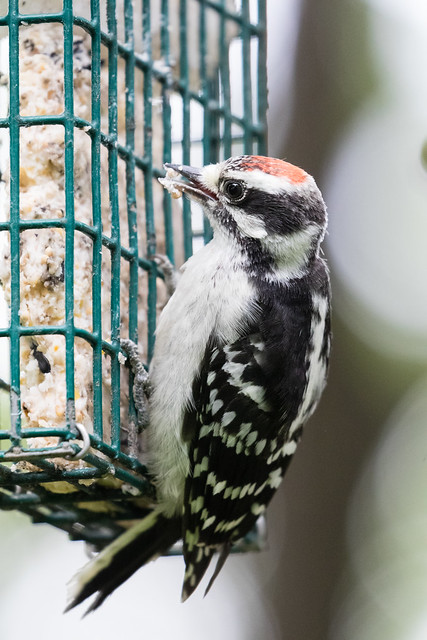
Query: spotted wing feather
{"x": 237, "y": 455}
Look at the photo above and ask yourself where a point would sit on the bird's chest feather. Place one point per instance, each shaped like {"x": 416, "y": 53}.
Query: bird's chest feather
{"x": 213, "y": 297}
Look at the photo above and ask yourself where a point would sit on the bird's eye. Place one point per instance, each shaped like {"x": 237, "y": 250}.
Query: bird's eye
{"x": 233, "y": 190}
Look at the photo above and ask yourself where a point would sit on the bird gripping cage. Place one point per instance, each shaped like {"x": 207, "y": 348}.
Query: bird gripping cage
{"x": 94, "y": 98}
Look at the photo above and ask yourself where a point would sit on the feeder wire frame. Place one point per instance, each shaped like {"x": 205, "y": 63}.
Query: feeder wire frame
{"x": 226, "y": 131}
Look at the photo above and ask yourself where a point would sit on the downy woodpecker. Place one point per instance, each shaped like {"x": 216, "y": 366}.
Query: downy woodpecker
{"x": 240, "y": 362}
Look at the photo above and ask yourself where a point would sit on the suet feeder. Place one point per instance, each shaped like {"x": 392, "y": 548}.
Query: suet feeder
{"x": 94, "y": 98}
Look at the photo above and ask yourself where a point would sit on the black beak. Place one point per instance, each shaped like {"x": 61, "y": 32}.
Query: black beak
{"x": 192, "y": 185}
{"x": 193, "y": 174}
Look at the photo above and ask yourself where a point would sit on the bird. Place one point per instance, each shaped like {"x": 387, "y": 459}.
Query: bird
{"x": 240, "y": 362}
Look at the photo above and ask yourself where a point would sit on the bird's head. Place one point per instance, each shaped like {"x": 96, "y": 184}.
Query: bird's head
{"x": 267, "y": 204}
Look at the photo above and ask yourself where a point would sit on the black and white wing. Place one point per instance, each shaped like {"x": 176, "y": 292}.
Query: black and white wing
{"x": 250, "y": 408}
{"x": 239, "y": 452}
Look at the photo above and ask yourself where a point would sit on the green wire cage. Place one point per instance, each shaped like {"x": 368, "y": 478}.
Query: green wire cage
{"x": 94, "y": 98}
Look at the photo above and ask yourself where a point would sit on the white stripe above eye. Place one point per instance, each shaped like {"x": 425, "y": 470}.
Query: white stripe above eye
{"x": 257, "y": 179}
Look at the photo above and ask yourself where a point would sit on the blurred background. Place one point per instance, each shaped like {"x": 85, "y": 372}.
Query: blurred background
{"x": 347, "y": 556}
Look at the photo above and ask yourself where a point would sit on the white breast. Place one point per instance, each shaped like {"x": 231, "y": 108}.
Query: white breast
{"x": 213, "y": 296}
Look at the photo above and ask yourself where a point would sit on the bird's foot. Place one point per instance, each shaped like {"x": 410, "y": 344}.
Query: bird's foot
{"x": 169, "y": 272}
{"x": 141, "y": 382}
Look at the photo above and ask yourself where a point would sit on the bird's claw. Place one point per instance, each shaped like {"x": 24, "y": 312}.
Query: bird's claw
{"x": 141, "y": 382}
{"x": 168, "y": 270}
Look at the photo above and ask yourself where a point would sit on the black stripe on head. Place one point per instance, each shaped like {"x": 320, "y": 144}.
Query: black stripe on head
{"x": 284, "y": 212}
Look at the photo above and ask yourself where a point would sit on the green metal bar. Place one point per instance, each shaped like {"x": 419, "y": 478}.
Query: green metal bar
{"x": 108, "y": 141}
{"x": 97, "y": 219}
{"x": 46, "y": 497}
{"x": 262, "y": 77}
{"x": 87, "y": 24}
{"x": 100, "y": 468}
{"x": 129, "y": 464}
{"x": 247, "y": 82}
{"x": 14, "y": 151}
{"x": 209, "y": 152}
{"x": 105, "y": 449}
{"x": 186, "y": 135}
{"x": 37, "y": 477}
{"x": 90, "y": 231}
{"x": 225, "y": 84}
{"x": 130, "y": 171}
{"x": 130, "y": 193}
{"x": 36, "y": 120}
{"x": 69, "y": 205}
{"x": 24, "y": 18}
{"x": 148, "y": 115}
{"x": 35, "y": 433}
{"x": 115, "y": 222}
{"x": 167, "y": 126}
{"x": 148, "y": 179}
{"x": 49, "y": 330}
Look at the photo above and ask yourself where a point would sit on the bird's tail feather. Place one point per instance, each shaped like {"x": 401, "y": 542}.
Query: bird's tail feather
{"x": 197, "y": 560}
{"x": 148, "y": 539}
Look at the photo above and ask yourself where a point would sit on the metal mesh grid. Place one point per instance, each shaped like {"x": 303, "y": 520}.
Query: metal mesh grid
{"x": 189, "y": 112}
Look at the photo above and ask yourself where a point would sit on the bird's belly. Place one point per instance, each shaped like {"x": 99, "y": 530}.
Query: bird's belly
{"x": 208, "y": 301}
